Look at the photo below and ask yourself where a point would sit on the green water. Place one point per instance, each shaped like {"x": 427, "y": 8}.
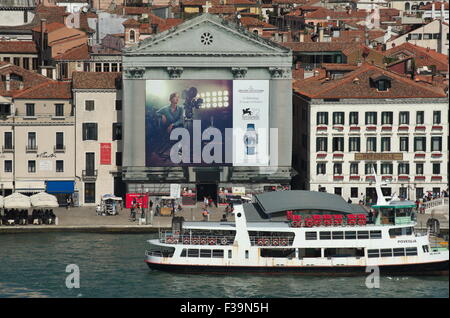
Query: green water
{"x": 112, "y": 265}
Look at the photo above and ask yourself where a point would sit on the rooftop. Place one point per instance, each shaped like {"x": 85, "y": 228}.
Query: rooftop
{"x": 18, "y": 47}
{"x": 96, "y": 80}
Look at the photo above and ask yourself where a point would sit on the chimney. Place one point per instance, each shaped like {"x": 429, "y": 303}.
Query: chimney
{"x": 320, "y": 34}
{"x": 43, "y": 29}
{"x": 8, "y": 82}
{"x": 302, "y": 37}
{"x": 433, "y": 12}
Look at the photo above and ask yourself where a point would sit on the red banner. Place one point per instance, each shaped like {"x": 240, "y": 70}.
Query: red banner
{"x": 141, "y": 199}
{"x": 105, "y": 153}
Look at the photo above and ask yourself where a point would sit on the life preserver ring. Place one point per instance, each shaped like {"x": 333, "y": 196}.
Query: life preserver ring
{"x": 186, "y": 241}
{"x": 203, "y": 241}
{"x": 195, "y": 241}
{"x": 283, "y": 242}
{"x": 275, "y": 242}
{"x": 309, "y": 223}
{"x": 224, "y": 241}
{"x": 266, "y": 242}
{"x": 169, "y": 240}
{"x": 260, "y": 242}
{"x": 211, "y": 241}
{"x": 296, "y": 224}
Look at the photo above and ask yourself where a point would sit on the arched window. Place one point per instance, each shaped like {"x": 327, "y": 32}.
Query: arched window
{"x": 407, "y": 6}
{"x": 255, "y": 32}
{"x": 132, "y": 36}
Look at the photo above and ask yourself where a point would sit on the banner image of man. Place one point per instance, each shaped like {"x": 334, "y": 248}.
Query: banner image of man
{"x": 193, "y": 105}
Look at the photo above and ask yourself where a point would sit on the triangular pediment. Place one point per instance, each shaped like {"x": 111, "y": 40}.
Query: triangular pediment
{"x": 206, "y": 34}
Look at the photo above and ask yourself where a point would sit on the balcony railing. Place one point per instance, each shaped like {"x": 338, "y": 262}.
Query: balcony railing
{"x": 59, "y": 148}
{"x": 31, "y": 148}
{"x": 7, "y": 148}
{"x": 89, "y": 175}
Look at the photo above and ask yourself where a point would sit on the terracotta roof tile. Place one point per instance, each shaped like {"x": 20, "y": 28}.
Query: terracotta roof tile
{"x": 91, "y": 80}
{"x": 47, "y": 90}
{"x": 18, "y": 47}
{"x": 28, "y": 78}
{"x": 74, "y": 54}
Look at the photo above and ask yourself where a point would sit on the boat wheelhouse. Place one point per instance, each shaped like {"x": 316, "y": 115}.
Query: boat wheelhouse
{"x": 303, "y": 232}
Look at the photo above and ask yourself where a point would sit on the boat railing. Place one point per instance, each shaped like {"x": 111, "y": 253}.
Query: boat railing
{"x": 194, "y": 239}
{"x": 271, "y": 240}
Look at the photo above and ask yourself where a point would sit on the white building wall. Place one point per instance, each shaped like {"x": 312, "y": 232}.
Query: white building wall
{"x": 329, "y": 182}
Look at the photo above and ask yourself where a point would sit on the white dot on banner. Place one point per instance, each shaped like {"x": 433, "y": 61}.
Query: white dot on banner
{"x": 215, "y": 105}
{"x": 219, "y": 93}
{"x": 220, "y": 104}
{"x": 214, "y": 99}
{"x": 225, "y": 104}
{"x": 225, "y": 92}
{"x": 208, "y": 100}
{"x": 225, "y": 99}
{"x": 214, "y": 94}
{"x": 208, "y": 93}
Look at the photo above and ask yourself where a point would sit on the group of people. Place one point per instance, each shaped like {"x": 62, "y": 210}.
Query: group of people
{"x": 21, "y": 217}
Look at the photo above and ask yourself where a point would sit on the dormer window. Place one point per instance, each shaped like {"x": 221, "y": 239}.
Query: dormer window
{"x": 381, "y": 82}
{"x": 382, "y": 85}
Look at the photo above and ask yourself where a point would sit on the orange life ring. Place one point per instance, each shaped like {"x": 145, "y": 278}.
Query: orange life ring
{"x": 266, "y": 242}
{"x": 195, "y": 241}
{"x": 211, "y": 241}
{"x": 260, "y": 242}
{"x": 169, "y": 240}
{"x": 283, "y": 242}
{"x": 186, "y": 241}
{"x": 275, "y": 242}
{"x": 203, "y": 241}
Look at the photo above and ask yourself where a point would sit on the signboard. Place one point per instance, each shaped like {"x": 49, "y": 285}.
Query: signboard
{"x": 45, "y": 165}
{"x": 105, "y": 153}
{"x": 238, "y": 190}
{"x": 207, "y": 123}
{"x": 175, "y": 190}
{"x": 142, "y": 199}
{"x": 378, "y": 156}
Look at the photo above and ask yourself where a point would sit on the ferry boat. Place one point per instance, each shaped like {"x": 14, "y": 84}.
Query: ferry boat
{"x": 305, "y": 232}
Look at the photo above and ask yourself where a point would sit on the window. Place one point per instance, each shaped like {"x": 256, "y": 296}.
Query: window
{"x": 338, "y": 191}
{"x": 183, "y": 253}
{"x": 350, "y": 235}
{"x": 31, "y": 166}
{"x": 354, "y": 168}
{"x": 113, "y": 67}
{"x": 337, "y": 235}
{"x": 436, "y": 143}
{"x": 89, "y": 105}
{"x": 420, "y": 144}
{"x": 230, "y": 253}
{"x": 403, "y": 118}
{"x": 337, "y": 168}
{"x": 217, "y": 253}
{"x": 106, "y": 67}
{"x": 387, "y": 118}
{"x": 119, "y": 159}
{"x": 404, "y": 143}
{"x": 90, "y": 163}
{"x": 386, "y": 252}
{"x": 325, "y": 235}
{"x": 35, "y": 62}
{"x": 415, "y": 36}
{"x": 403, "y": 168}
{"x": 193, "y": 253}
{"x": 311, "y": 236}
{"x": 371, "y": 143}
{"x": 436, "y": 117}
{"x": 383, "y": 85}
{"x": 411, "y": 251}
{"x": 338, "y": 118}
{"x": 363, "y": 235}
{"x": 321, "y": 168}
{"x": 322, "y": 118}
{"x": 420, "y": 117}
{"x": 354, "y": 118}
{"x": 205, "y": 253}
{"x": 419, "y": 169}
{"x": 354, "y": 144}
{"x": 29, "y": 110}
{"x": 59, "y": 140}
{"x": 321, "y": 144}
{"x": 369, "y": 166}
{"x": 399, "y": 252}
{"x": 17, "y": 61}
{"x": 117, "y": 131}
{"x": 8, "y": 144}
{"x": 371, "y": 118}
{"x": 90, "y": 131}
{"x": 385, "y": 143}
{"x": 59, "y": 165}
{"x": 354, "y": 192}
{"x": 59, "y": 109}
{"x": 436, "y": 168}
{"x": 118, "y": 104}
{"x": 8, "y": 165}
{"x": 428, "y": 36}
{"x": 386, "y": 168}
{"x": 425, "y": 248}
{"x": 132, "y": 36}
{"x": 89, "y": 192}
{"x": 26, "y": 63}
{"x": 373, "y": 253}
{"x": 98, "y": 67}
{"x": 375, "y": 234}
{"x": 338, "y": 143}
{"x": 5, "y": 109}
{"x": 32, "y": 140}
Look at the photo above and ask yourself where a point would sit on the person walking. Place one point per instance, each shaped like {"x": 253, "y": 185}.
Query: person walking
{"x": 205, "y": 214}
{"x": 67, "y": 202}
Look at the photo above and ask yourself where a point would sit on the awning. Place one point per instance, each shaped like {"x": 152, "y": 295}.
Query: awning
{"x": 30, "y": 186}
{"x": 60, "y": 186}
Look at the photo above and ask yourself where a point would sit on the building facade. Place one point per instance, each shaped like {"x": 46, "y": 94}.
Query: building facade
{"x": 205, "y": 51}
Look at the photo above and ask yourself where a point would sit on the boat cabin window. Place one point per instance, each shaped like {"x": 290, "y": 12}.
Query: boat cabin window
{"x": 230, "y": 254}
{"x": 363, "y": 235}
{"x": 205, "y": 253}
{"x": 310, "y": 236}
{"x": 277, "y": 252}
{"x": 338, "y": 235}
{"x": 373, "y": 253}
{"x": 217, "y": 253}
{"x": 193, "y": 253}
{"x": 309, "y": 253}
{"x": 246, "y": 254}
{"x": 375, "y": 234}
{"x": 403, "y": 212}
{"x": 399, "y": 252}
{"x": 183, "y": 253}
{"x": 386, "y": 252}
{"x": 411, "y": 251}
{"x": 402, "y": 231}
{"x": 344, "y": 252}
{"x": 325, "y": 235}
{"x": 425, "y": 248}
{"x": 350, "y": 235}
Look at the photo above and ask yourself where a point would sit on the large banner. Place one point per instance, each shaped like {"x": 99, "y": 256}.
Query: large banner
{"x": 207, "y": 123}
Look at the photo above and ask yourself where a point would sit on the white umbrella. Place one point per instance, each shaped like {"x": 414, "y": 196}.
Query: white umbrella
{"x": 16, "y": 201}
{"x": 111, "y": 197}
{"x": 44, "y": 200}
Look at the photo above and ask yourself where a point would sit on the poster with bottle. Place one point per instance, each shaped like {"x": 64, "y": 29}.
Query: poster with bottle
{"x": 251, "y": 123}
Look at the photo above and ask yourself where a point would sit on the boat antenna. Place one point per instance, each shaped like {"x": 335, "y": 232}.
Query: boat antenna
{"x": 380, "y": 197}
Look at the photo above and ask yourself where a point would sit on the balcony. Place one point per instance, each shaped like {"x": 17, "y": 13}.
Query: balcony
{"x": 31, "y": 148}
{"x": 89, "y": 175}
{"x": 7, "y": 148}
{"x": 59, "y": 149}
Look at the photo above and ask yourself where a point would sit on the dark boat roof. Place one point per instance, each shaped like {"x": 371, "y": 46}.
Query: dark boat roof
{"x": 277, "y": 201}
